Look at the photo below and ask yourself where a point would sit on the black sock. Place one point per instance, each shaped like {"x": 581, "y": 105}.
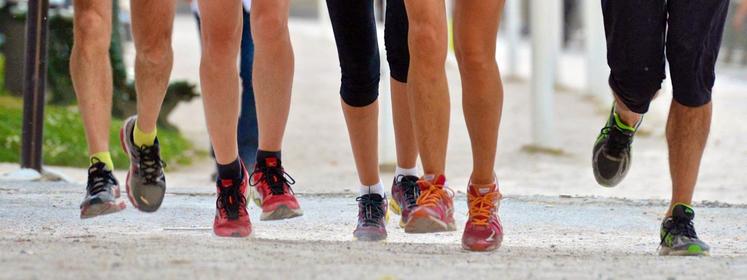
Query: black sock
{"x": 262, "y": 155}
{"x": 230, "y": 171}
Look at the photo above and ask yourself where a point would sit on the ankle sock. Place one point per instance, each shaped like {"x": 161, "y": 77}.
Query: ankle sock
{"x": 378, "y": 188}
{"x": 230, "y": 171}
{"x": 104, "y": 157}
{"x": 406, "y": 171}
{"x": 262, "y": 155}
{"x": 142, "y": 138}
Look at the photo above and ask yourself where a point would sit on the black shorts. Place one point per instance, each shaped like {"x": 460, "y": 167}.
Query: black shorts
{"x": 643, "y": 34}
{"x": 354, "y": 25}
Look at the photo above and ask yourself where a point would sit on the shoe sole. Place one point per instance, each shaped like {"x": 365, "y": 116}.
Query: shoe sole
{"x": 396, "y": 209}
{"x": 483, "y": 247}
{"x": 369, "y": 237}
{"x": 681, "y": 253}
{"x": 282, "y": 212}
{"x": 420, "y": 223}
{"x": 101, "y": 209}
{"x": 158, "y": 194}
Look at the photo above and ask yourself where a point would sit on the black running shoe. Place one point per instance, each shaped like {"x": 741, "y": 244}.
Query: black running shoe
{"x": 102, "y": 193}
{"x": 372, "y": 210}
{"x": 405, "y": 193}
{"x": 146, "y": 184}
{"x": 611, "y": 158}
{"x": 678, "y": 237}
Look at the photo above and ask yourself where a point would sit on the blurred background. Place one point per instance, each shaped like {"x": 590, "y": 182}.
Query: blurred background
{"x": 554, "y": 78}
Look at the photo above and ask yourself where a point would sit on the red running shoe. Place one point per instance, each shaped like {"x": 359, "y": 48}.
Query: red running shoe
{"x": 483, "y": 231}
{"x": 435, "y": 208}
{"x": 272, "y": 192}
{"x": 231, "y": 216}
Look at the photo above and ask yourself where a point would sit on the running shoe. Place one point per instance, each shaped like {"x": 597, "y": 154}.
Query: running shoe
{"x": 678, "y": 237}
{"x": 272, "y": 191}
{"x": 611, "y": 157}
{"x": 146, "y": 183}
{"x": 231, "y": 216}
{"x": 372, "y": 209}
{"x": 483, "y": 231}
{"x": 435, "y": 208}
{"x": 405, "y": 193}
{"x": 102, "y": 193}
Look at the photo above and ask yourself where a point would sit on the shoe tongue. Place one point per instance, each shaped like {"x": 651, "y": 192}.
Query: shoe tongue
{"x": 272, "y": 162}
{"x": 483, "y": 189}
{"x": 429, "y": 181}
{"x": 683, "y": 212}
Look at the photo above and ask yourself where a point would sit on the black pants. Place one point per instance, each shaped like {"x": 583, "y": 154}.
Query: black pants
{"x": 640, "y": 33}
{"x": 354, "y": 26}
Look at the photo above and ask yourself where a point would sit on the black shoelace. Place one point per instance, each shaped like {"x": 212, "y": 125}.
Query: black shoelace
{"x": 681, "y": 227}
{"x": 371, "y": 210}
{"x": 618, "y": 142}
{"x": 275, "y": 177}
{"x": 151, "y": 165}
{"x": 99, "y": 179}
{"x": 411, "y": 189}
{"x": 230, "y": 199}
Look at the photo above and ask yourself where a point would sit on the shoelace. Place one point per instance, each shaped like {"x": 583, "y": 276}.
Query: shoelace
{"x": 617, "y": 141}
{"x": 411, "y": 190}
{"x": 433, "y": 194}
{"x": 680, "y": 227}
{"x": 151, "y": 165}
{"x": 99, "y": 179}
{"x": 275, "y": 177}
{"x": 482, "y": 207}
{"x": 371, "y": 209}
{"x": 230, "y": 199}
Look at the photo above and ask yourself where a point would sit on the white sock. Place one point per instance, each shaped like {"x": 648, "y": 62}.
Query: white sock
{"x": 406, "y": 171}
{"x": 377, "y": 189}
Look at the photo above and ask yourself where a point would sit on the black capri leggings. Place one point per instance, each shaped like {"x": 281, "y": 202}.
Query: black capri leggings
{"x": 354, "y": 26}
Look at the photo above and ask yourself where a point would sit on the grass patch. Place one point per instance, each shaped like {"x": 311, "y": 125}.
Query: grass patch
{"x": 65, "y": 142}
{"x": 2, "y": 75}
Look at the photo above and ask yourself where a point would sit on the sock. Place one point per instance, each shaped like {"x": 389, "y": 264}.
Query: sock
{"x": 230, "y": 171}
{"x": 104, "y": 157}
{"x": 262, "y": 155}
{"x": 377, "y": 189}
{"x": 406, "y": 171}
{"x": 142, "y": 138}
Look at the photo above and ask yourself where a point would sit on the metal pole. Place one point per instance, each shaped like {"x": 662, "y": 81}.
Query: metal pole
{"x": 597, "y": 70}
{"x": 546, "y": 21}
{"x": 34, "y": 84}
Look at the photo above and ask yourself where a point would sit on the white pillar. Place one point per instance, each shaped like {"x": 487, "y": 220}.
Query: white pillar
{"x": 597, "y": 71}
{"x": 546, "y": 29}
{"x": 512, "y": 31}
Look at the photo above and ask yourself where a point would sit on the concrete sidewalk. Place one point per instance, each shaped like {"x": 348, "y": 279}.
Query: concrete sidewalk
{"x": 546, "y": 237}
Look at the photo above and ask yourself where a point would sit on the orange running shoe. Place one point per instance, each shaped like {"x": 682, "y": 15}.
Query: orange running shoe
{"x": 435, "y": 208}
{"x": 483, "y": 231}
{"x": 272, "y": 191}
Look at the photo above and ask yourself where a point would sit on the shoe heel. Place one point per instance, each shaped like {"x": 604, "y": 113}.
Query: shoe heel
{"x": 394, "y": 206}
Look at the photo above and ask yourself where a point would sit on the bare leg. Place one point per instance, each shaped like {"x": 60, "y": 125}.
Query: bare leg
{"x": 90, "y": 70}
{"x": 152, "y": 25}
{"x": 428, "y": 91}
{"x": 219, "y": 76}
{"x": 404, "y": 135}
{"x": 273, "y": 70}
{"x": 475, "y": 30}
{"x": 363, "y": 129}
{"x": 687, "y": 133}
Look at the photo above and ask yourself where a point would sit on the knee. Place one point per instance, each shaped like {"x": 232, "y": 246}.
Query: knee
{"x": 92, "y": 33}
{"x": 268, "y": 27}
{"x": 361, "y": 88}
{"x": 474, "y": 59}
{"x": 428, "y": 41}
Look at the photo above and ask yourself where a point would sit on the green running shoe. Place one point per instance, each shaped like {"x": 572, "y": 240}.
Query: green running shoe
{"x": 678, "y": 237}
{"x": 611, "y": 157}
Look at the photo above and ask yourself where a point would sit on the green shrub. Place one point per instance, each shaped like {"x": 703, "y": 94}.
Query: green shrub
{"x": 65, "y": 142}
